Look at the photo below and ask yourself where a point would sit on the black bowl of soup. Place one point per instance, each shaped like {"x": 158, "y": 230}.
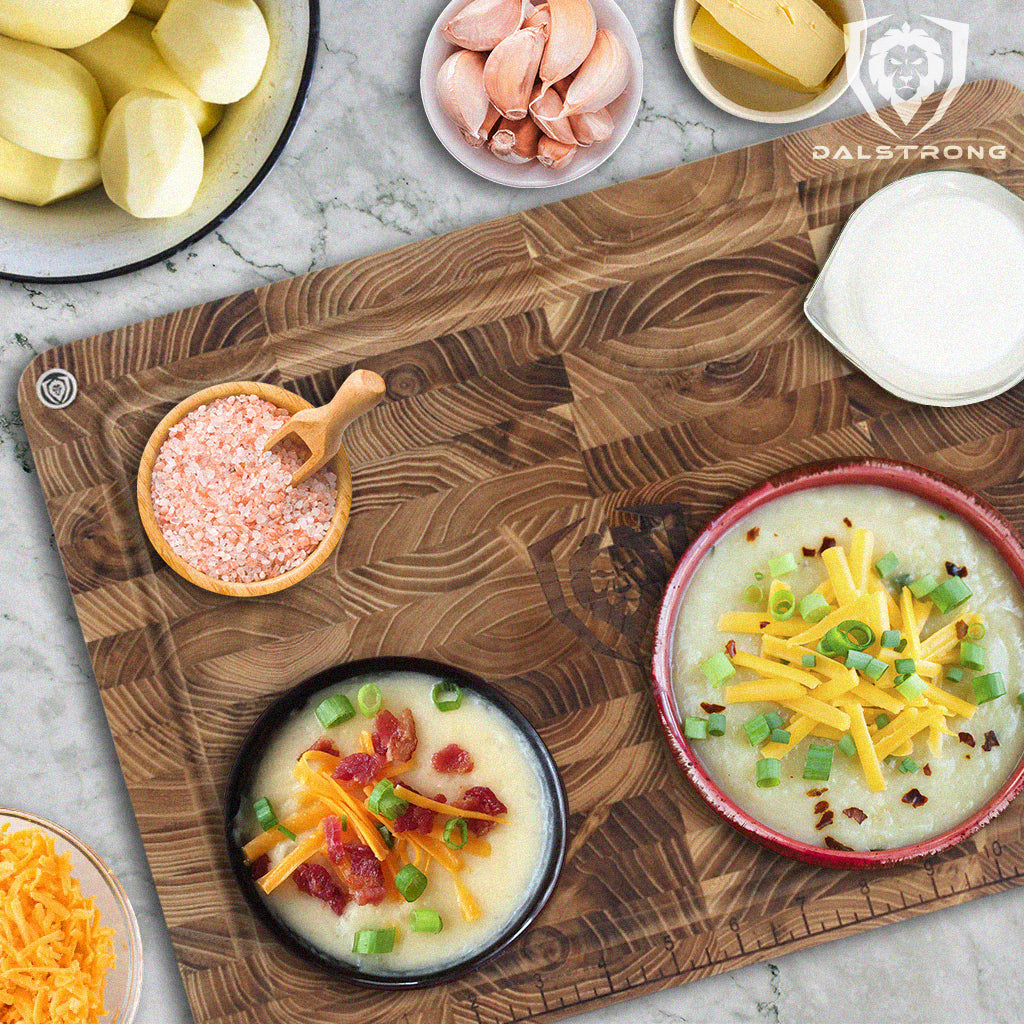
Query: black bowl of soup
{"x": 395, "y": 821}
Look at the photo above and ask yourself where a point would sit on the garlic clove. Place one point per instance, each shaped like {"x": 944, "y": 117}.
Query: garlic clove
{"x": 601, "y": 77}
{"x": 515, "y": 142}
{"x": 482, "y": 24}
{"x": 592, "y": 127}
{"x": 554, "y": 154}
{"x": 570, "y": 38}
{"x": 539, "y": 17}
{"x": 546, "y": 111}
{"x": 461, "y": 93}
{"x": 484, "y": 134}
{"x": 511, "y": 70}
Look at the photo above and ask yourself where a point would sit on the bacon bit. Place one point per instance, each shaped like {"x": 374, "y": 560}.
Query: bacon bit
{"x": 821, "y": 806}
{"x": 324, "y": 745}
{"x": 961, "y": 629}
{"x": 480, "y": 798}
{"x": 730, "y": 648}
{"x": 856, "y": 814}
{"x": 452, "y": 760}
{"x": 809, "y": 552}
{"x": 260, "y": 866}
{"x": 359, "y": 768}
{"x": 847, "y": 520}
{"x": 763, "y": 624}
{"x": 826, "y": 543}
{"x": 334, "y": 836}
{"x": 927, "y": 769}
{"x": 966, "y": 737}
{"x": 825, "y": 820}
{"x": 417, "y": 819}
{"x": 711, "y": 709}
{"x": 394, "y": 738}
{"x": 315, "y": 880}
{"x": 753, "y": 533}
{"x": 817, "y": 792}
{"x": 956, "y": 570}
{"x": 991, "y": 740}
{"x": 362, "y": 873}
{"x": 834, "y": 844}
{"x": 915, "y": 798}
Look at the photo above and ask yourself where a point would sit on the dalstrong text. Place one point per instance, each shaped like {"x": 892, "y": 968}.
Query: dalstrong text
{"x": 909, "y": 151}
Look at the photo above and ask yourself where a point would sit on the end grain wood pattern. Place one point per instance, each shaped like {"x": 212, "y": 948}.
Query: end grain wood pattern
{"x": 572, "y": 392}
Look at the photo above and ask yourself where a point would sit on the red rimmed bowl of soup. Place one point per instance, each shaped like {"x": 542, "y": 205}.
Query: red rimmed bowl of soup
{"x": 835, "y": 664}
{"x": 396, "y": 821}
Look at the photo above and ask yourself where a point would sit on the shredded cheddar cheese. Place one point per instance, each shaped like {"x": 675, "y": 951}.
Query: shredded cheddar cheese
{"x": 54, "y": 951}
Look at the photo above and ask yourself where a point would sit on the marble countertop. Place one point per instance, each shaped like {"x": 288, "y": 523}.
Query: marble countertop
{"x": 363, "y": 173}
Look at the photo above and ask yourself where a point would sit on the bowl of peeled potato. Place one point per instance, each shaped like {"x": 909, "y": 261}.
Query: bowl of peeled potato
{"x": 130, "y": 130}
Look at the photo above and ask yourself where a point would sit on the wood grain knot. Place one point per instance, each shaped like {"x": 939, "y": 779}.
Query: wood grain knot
{"x": 405, "y": 381}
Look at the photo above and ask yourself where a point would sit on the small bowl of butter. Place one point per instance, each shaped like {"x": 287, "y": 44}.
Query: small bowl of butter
{"x": 774, "y": 61}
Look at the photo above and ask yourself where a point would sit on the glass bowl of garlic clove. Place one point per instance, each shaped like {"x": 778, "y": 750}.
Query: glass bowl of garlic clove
{"x": 531, "y": 96}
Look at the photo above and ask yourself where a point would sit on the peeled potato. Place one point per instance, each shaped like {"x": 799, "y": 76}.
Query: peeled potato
{"x": 125, "y": 58}
{"x": 151, "y": 9}
{"x": 64, "y": 24}
{"x": 27, "y": 177}
{"x": 151, "y": 155}
{"x": 218, "y": 48}
{"x": 49, "y": 103}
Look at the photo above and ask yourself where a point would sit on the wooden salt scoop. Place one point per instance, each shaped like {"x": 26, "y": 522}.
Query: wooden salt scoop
{"x": 320, "y": 429}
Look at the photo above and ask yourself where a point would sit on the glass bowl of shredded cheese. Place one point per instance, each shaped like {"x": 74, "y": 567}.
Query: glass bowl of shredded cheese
{"x": 71, "y": 952}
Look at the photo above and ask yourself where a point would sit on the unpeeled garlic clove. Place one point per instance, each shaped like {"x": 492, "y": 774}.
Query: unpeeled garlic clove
{"x": 511, "y": 70}
{"x": 570, "y": 38}
{"x": 546, "y": 110}
{"x": 539, "y": 17}
{"x": 461, "y": 93}
{"x": 480, "y": 139}
{"x": 592, "y": 127}
{"x": 482, "y": 24}
{"x": 601, "y": 77}
{"x": 554, "y": 154}
{"x": 515, "y": 142}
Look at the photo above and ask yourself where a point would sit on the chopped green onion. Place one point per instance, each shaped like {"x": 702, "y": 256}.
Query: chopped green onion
{"x": 890, "y": 638}
{"x": 265, "y": 814}
{"x": 882, "y": 720}
{"x": 782, "y": 605}
{"x": 876, "y": 668}
{"x": 410, "y": 882}
{"x": 846, "y": 745}
{"x": 923, "y": 586}
{"x": 1020, "y": 699}
{"x": 452, "y": 841}
{"x": 976, "y": 631}
{"x": 857, "y": 659}
{"x": 446, "y": 696}
{"x": 886, "y": 565}
{"x": 851, "y": 635}
{"x": 955, "y": 674}
{"x": 369, "y": 699}
{"x": 904, "y": 666}
{"x": 286, "y": 832}
{"x": 950, "y": 594}
{"x": 813, "y": 608}
{"x": 717, "y": 669}
{"x": 908, "y": 766}
{"x": 901, "y": 646}
{"x": 392, "y": 806}
{"x": 423, "y": 920}
{"x": 912, "y": 687}
{"x": 344, "y": 823}
{"x": 781, "y": 564}
{"x": 768, "y": 772}
{"x": 780, "y": 736}
{"x": 754, "y": 593}
{"x": 808, "y": 661}
{"x": 774, "y": 720}
{"x": 373, "y": 940}
{"x": 758, "y": 575}
{"x": 334, "y": 710}
{"x": 757, "y": 730}
{"x": 988, "y": 687}
{"x": 971, "y": 655}
{"x": 695, "y": 728}
{"x": 818, "y": 765}
{"x": 382, "y": 789}
{"x": 716, "y": 724}
{"x": 387, "y": 835}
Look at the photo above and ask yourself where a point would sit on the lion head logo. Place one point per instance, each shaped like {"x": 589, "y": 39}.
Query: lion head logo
{"x": 905, "y": 65}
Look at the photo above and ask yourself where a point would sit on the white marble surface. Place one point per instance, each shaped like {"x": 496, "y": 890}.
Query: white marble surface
{"x": 362, "y": 173}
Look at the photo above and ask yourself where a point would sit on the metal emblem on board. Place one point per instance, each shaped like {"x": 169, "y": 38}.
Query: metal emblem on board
{"x": 57, "y": 388}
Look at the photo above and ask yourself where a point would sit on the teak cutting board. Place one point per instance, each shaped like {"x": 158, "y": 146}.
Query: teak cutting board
{"x": 572, "y": 392}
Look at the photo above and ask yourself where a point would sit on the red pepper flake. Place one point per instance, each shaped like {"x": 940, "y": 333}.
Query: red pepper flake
{"x": 966, "y": 737}
{"x": 856, "y": 814}
{"x": 991, "y": 740}
{"x": 730, "y": 648}
{"x": 711, "y": 709}
{"x": 834, "y": 844}
{"x": 753, "y": 533}
{"x": 915, "y": 798}
{"x": 817, "y": 792}
{"x": 825, "y": 820}
{"x": 809, "y": 552}
{"x": 821, "y": 806}
{"x": 961, "y": 629}
{"x": 927, "y": 769}
{"x": 956, "y": 570}
{"x": 826, "y": 543}
{"x": 847, "y": 520}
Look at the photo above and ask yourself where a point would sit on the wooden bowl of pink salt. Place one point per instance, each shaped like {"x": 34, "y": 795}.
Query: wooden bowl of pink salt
{"x": 222, "y": 512}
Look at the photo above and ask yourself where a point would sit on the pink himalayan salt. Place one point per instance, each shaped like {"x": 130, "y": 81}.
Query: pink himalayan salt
{"x": 225, "y": 506}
